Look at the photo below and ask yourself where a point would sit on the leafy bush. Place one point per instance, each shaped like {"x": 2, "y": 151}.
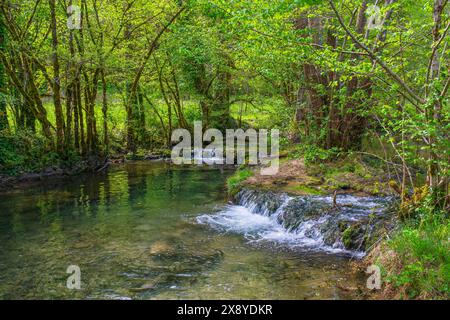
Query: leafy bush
{"x": 25, "y": 151}
{"x": 313, "y": 154}
{"x": 423, "y": 247}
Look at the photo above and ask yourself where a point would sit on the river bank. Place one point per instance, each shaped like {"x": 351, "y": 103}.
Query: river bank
{"x": 313, "y": 211}
{"x": 408, "y": 242}
{"x": 344, "y": 177}
{"x": 54, "y": 172}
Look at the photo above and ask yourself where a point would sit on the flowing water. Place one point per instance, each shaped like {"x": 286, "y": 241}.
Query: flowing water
{"x": 148, "y": 230}
{"x": 306, "y": 223}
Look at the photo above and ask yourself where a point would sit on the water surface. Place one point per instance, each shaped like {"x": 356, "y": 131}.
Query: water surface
{"x": 135, "y": 233}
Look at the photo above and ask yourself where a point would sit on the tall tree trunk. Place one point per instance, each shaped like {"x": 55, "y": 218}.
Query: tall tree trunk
{"x": 105, "y": 112}
{"x": 70, "y": 91}
{"x": 353, "y": 121}
{"x": 438, "y": 184}
{"x": 132, "y": 90}
{"x": 69, "y": 114}
{"x": 90, "y": 97}
{"x": 3, "y": 113}
{"x": 219, "y": 116}
{"x": 76, "y": 117}
{"x": 56, "y": 80}
{"x": 81, "y": 118}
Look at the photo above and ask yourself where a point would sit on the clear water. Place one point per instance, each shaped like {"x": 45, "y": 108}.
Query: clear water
{"x": 135, "y": 234}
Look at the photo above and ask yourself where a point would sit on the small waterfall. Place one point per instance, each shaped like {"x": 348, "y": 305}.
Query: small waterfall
{"x": 306, "y": 222}
{"x": 265, "y": 204}
{"x": 207, "y": 155}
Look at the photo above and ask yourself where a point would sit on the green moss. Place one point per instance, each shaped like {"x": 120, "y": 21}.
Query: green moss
{"x": 138, "y": 155}
{"x": 337, "y": 183}
{"x": 235, "y": 182}
{"x": 348, "y": 236}
{"x": 304, "y": 190}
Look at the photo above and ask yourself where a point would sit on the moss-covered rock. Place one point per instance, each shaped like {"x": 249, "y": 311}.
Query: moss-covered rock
{"x": 262, "y": 202}
{"x": 354, "y": 223}
{"x": 300, "y": 209}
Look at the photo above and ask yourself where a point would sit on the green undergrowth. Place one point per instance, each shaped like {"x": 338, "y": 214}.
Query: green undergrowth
{"x": 415, "y": 261}
{"x": 423, "y": 248}
{"x": 24, "y": 152}
{"x": 235, "y": 181}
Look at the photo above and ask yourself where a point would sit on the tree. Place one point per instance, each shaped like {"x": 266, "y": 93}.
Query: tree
{"x": 56, "y": 80}
{"x": 3, "y": 113}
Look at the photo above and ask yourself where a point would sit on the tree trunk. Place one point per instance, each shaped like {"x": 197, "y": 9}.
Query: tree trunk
{"x": 105, "y": 112}
{"x": 3, "y": 114}
{"x": 438, "y": 184}
{"x": 76, "y": 117}
{"x": 56, "y": 81}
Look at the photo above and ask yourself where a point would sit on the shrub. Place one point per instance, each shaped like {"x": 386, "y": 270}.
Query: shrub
{"x": 25, "y": 151}
{"x": 313, "y": 154}
{"x": 423, "y": 247}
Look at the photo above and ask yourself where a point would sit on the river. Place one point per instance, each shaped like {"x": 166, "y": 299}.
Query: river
{"x": 139, "y": 232}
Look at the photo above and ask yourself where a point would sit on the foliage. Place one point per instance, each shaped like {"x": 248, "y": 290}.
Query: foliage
{"x": 313, "y": 154}
{"x": 236, "y": 180}
{"x": 24, "y": 151}
{"x": 423, "y": 248}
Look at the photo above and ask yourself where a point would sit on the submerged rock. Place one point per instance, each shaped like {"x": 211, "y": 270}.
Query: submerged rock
{"x": 172, "y": 266}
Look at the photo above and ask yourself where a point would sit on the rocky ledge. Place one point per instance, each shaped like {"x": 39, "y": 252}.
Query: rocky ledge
{"x": 345, "y": 222}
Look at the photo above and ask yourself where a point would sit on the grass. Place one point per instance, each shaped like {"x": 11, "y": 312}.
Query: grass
{"x": 416, "y": 261}
{"x": 235, "y": 181}
{"x": 424, "y": 252}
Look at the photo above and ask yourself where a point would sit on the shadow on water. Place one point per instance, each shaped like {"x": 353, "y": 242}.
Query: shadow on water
{"x": 133, "y": 233}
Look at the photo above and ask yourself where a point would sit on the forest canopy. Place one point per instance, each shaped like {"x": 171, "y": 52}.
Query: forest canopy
{"x": 92, "y": 78}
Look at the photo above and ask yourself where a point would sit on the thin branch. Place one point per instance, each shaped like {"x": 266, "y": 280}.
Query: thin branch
{"x": 433, "y": 53}
{"x": 445, "y": 90}
{"x": 375, "y": 57}
{"x": 152, "y": 47}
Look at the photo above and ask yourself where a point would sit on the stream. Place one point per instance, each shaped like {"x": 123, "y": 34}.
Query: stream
{"x": 149, "y": 230}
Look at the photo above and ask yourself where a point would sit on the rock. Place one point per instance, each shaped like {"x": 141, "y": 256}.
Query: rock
{"x": 150, "y": 285}
{"x": 118, "y": 161}
{"x": 30, "y": 177}
{"x": 357, "y": 235}
{"x": 353, "y": 237}
{"x": 159, "y": 247}
{"x": 301, "y": 209}
{"x": 355, "y": 223}
{"x": 153, "y": 157}
{"x": 260, "y": 202}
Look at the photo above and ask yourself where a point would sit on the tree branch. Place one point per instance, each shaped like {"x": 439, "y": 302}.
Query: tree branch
{"x": 152, "y": 47}
{"x": 374, "y": 57}
{"x": 435, "y": 48}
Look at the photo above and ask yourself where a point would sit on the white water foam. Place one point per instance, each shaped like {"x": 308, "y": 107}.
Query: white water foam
{"x": 208, "y": 156}
{"x": 263, "y": 228}
{"x": 254, "y": 217}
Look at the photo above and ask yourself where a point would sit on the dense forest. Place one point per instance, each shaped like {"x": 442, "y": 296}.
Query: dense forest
{"x": 83, "y": 81}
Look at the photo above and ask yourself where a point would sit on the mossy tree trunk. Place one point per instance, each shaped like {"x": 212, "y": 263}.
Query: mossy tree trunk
{"x": 56, "y": 81}
{"x": 3, "y": 113}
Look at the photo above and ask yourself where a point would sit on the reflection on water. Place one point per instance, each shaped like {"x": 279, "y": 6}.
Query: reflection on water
{"x": 134, "y": 234}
